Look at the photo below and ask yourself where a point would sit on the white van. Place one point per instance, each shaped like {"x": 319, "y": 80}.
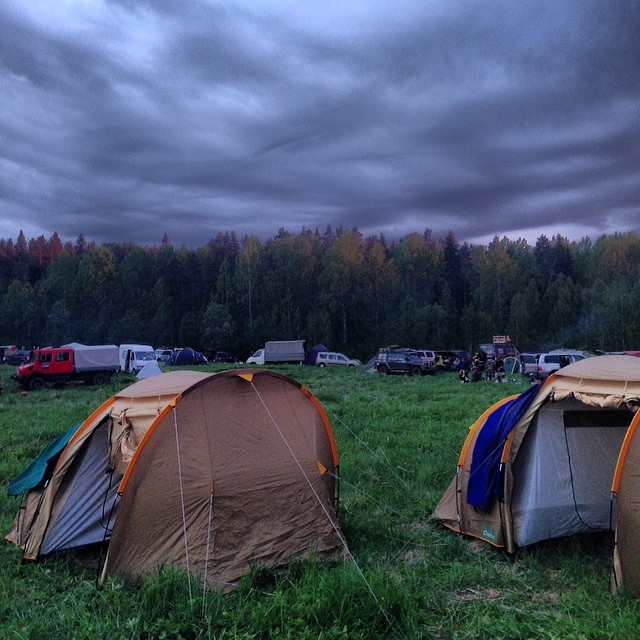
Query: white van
{"x": 134, "y": 356}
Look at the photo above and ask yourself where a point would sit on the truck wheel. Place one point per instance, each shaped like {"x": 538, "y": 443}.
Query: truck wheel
{"x": 100, "y": 379}
{"x": 416, "y": 371}
{"x": 384, "y": 370}
{"x": 36, "y": 383}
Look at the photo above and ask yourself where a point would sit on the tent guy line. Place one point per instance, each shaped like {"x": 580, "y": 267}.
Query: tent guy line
{"x": 322, "y": 505}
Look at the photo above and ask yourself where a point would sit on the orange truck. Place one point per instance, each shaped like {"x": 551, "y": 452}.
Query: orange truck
{"x": 94, "y": 364}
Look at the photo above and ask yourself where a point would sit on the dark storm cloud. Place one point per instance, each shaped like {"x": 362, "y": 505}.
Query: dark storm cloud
{"x": 123, "y": 120}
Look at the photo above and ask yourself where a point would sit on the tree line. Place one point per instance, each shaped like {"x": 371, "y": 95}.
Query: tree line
{"x": 337, "y": 287}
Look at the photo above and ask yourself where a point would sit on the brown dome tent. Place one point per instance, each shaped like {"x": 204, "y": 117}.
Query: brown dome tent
{"x": 549, "y": 462}
{"x": 210, "y": 473}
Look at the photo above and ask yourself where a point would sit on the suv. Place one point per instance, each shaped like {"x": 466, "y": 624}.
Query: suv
{"x": 549, "y": 363}
{"x": 399, "y": 360}
{"x": 429, "y": 358}
{"x": 331, "y": 358}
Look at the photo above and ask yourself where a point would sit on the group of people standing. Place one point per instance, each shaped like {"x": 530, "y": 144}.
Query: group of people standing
{"x": 493, "y": 370}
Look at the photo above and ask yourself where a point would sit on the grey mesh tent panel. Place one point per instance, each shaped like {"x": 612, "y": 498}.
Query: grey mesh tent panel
{"x": 82, "y": 512}
{"x": 564, "y": 471}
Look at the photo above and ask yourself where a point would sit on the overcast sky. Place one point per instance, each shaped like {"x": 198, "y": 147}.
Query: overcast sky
{"x": 121, "y": 120}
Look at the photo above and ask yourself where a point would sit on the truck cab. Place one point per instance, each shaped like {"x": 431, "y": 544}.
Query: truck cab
{"x": 45, "y": 364}
{"x": 257, "y": 357}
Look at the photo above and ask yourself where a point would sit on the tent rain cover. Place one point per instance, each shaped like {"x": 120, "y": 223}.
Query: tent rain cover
{"x": 211, "y": 473}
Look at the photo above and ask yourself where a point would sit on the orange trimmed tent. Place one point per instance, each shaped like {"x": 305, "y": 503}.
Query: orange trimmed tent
{"x": 210, "y": 473}
{"x": 561, "y": 458}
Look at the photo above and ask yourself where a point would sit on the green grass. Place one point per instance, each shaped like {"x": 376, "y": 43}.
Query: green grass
{"x": 399, "y": 440}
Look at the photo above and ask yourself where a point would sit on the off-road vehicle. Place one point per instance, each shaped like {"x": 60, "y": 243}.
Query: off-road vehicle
{"x": 401, "y": 360}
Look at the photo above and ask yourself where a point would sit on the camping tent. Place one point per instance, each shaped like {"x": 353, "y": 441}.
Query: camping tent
{"x": 211, "y": 473}
{"x": 311, "y": 356}
{"x": 185, "y": 357}
{"x": 152, "y": 368}
{"x": 546, "y": 463}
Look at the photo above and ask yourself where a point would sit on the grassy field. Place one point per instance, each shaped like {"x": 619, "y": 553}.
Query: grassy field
{"x": 398, "y": 439}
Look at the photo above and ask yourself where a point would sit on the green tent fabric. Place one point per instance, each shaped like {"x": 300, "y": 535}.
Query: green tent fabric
{"x": 41, "y": 468}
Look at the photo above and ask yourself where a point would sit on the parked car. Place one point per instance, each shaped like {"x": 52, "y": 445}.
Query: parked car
{"x": 332, "y": 358}
{"x": 528, "y": 363}
{"x": 400, "y": 360}
{"x": 223, "y": 356}
{"x": 549, "y": 363}
{"x": 18, "y": 357}
{"x": 455, "y": 359}
{"x": 163, "y": 354}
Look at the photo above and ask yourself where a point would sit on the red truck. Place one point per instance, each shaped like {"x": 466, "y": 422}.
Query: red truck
{"x": 91, "y": 364}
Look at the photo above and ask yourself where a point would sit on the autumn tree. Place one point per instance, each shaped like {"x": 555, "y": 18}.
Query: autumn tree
{"x": 341, "y": 283}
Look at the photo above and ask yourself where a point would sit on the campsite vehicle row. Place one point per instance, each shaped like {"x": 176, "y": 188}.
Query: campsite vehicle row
{"x": 90, "y": 364}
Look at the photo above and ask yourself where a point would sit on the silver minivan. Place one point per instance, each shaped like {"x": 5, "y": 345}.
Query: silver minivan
{"x": 331, "y": 358}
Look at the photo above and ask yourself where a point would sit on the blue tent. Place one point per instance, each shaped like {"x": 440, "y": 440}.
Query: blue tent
{"x": 311, "y": 356}
{"x": 185, "y": 357}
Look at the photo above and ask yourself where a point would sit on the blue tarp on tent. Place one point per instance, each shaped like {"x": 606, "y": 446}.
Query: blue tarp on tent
{"x": 485, "y": 464}
{"x": 41, "y": 468}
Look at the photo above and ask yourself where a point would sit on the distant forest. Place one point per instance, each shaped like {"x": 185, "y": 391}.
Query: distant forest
{"x": 349, "y": 292}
